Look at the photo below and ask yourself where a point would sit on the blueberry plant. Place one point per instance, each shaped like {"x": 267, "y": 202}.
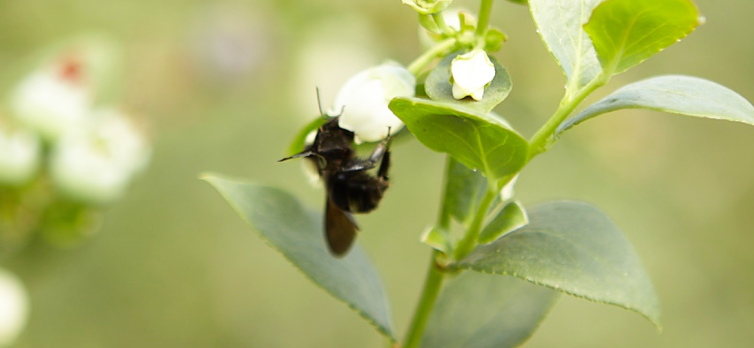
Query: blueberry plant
{"x": 474, "y": 295}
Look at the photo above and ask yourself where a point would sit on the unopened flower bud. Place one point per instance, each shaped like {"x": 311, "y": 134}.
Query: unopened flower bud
{"x": 452, "y": 18}
{"x": 363, "y": 101}
{"x": 471, "y": 73}
{"x": 14, "y": 308}
{"x": 428, "y": 6}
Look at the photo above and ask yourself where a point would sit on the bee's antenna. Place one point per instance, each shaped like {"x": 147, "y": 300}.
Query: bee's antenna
{"x": 319, "y": 102}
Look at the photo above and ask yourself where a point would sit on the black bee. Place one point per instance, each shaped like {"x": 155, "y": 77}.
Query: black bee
{"x": 350, "y": 188}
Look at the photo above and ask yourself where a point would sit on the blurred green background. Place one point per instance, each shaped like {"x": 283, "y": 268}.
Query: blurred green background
{"x": 224, "y": 86}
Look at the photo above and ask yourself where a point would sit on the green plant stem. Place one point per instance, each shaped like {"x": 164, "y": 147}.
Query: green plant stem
{"x": 440, "y": 21}
{"x": 443, "y": 221}
{"x": 435, "y": 276}
{"x": 544, "y": 136}
{"x": 469, "y": 241}
{"x": 421, "y": 62}
{"x": 485, "y": 10}
{"x": 432, "y": 287}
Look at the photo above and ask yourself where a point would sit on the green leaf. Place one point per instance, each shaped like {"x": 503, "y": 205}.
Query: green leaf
{"x": 463, "y": 190}
{"x": 574, "y": 248}
{"x": 675, "y": 94}
{"x": 438, "y": 239}
{"x": 284, "y": 224}
{"x": 627, "y": 32}
{"x": 299, "y": 142}
{"x": 480, "y": 310}
{"x": 510, "y": 218}
{"x": 439, "y": 86}
{"x": 427, "y": 22}
{"x": 476, "y": 140}
{"x": 559, "y": 23}
{"x": 522, "y": 2}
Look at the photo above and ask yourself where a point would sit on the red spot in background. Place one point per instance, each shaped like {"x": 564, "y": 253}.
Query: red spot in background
{"x": 72, "y": 70}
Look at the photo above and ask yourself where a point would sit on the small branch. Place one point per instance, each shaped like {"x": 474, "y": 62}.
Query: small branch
{"x": 543, "y": 138}
{"x": 440, "y": 21}
{"x": 469, "y": 241}
{"x": 423, "y": 60}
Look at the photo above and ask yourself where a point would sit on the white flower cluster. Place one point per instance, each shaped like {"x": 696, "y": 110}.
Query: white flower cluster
{"x": 91, "y": 152}
{"x": 19, "y": 155}
{"x": 14, "y": 308}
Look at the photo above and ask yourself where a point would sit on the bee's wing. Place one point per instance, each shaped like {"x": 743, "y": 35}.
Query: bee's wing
{"x": 340, "y": 228}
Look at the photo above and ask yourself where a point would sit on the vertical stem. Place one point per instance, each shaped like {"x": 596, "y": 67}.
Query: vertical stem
{"x": 431, "y": 290}
{"x": 484, "y": 17}
{"x": 443, "y": 221}
{"x": 469, "y": 241}
{"x": 435, "y": 276}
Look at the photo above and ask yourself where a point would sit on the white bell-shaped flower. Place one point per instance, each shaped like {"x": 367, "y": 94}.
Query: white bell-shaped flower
{"x": 363, "y": 101}
{"x": 471, "y": 73}
{"x": 14, "y": 307}
{"x": 19, "y": 156}
{"x": 96, "y": 165}
{"x": 54, "y": 100}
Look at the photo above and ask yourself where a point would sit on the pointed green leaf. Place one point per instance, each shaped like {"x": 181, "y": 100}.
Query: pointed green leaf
{"x": 476, "y": 140}
{"x": 481, "y": 310}
{"x": 463, "y": 190}
{"x": 438, "y": 239}
{"x": 510, "y": 218}
{"x": 627, "y": 32}
{"x": 574, "y": 248}
{"x": 284, "y": 224}
{"x": 439, "y": 86}
{"x": 684, "y": 95}
{"x": 559, "y": 23}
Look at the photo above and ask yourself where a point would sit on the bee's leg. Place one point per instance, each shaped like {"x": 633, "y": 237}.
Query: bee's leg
{"x": 384, "y": 166}
{"x": 381, "y": 151}
{"x": 308, "y": 152}
{"x": 305, "y": 153}
{"x": 384, "y": 147}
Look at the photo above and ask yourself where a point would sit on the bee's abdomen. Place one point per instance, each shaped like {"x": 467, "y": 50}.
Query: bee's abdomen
{"x": 357, "y": 192}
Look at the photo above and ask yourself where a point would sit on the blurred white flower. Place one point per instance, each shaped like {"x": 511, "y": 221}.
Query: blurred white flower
{"x": 363, "y": 101}
{"x": 14, "y": 307}
{"x": 54, "y": 100}
{"x": 507, "y": 192}
{"x": 96, "y": 165}
{"x": 471, "y": 73}
{"x": 19, "y": 156}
